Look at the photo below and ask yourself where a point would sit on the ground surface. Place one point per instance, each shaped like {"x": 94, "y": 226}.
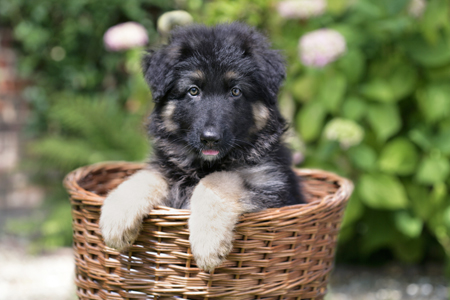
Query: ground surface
{"x": 50, "y": 277}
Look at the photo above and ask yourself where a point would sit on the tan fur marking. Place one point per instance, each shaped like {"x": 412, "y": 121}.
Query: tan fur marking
{"x": 230, "y": 75}
{"x": 198, "y": 75}
{"x": 260, "y": 115}
{"x": 167, "y": 115}
{"x": 227, "y": 185}
{"x": 126, "y": 206}
{"x": 215, "y": 208}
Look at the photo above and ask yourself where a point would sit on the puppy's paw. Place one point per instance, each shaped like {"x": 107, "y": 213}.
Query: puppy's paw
{"x": 215, "y": 209}
{"x": 126, "y": 206}
{"x": 120, "y": 227}
{"x": 209, "y": 250}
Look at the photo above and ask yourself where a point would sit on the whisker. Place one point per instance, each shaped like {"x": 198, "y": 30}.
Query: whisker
{"x": 245, "y": 142}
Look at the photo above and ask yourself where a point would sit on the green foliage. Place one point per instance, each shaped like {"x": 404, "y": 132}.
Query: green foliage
{"x": 110, "y": 134}
{"x": 392, "y": 81}
{"x": 61, "y": 48}
{"x": 382, "y": 191}
{"x": 87, "y": 104}
{"x": 391, "y": 85}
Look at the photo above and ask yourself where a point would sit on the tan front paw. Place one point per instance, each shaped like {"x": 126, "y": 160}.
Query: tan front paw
{"x": 210, "y": 249}
{"x": 117, "y": 234}
{"x": 126, "y": 206}
{"x": 120, "y": 221}
{"x": 213, "y": 217}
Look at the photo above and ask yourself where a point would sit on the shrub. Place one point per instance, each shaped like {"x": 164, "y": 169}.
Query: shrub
{"x": 373, "y": 107}
{"x": 87, "y": 104}
{"x": 379, "y": 114}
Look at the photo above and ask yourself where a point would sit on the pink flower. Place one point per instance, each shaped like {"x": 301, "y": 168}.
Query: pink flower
{"x": 321, "y": 47}
{"x": 301, "y": 9}
{"x": 125, "y": 36}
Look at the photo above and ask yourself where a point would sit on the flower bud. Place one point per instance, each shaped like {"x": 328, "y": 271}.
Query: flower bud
{"x": 416, "y": 8}
{"x": 346, "y": 132}
{"x": 301, "y": 9}
{"x": 125, "y": 36}
{"x": 321, "y": 47}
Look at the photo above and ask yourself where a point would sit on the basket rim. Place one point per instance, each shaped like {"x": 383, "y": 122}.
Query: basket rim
{"x": 343, "y": 192}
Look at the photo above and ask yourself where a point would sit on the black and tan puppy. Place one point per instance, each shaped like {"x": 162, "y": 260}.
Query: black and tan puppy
{"x": 217, "y": 139}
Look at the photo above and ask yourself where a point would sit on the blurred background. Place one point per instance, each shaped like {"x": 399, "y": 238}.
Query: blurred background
{"x": 367, "y": 94}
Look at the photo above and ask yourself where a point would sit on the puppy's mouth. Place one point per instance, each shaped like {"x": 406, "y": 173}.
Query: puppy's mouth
{"x": 210, "y": 152}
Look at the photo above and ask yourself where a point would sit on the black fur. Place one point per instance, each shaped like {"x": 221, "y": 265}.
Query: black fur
{"x": 215, "y": 60}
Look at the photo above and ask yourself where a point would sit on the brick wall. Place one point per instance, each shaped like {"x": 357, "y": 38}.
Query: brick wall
{"x": 15, "y": 191}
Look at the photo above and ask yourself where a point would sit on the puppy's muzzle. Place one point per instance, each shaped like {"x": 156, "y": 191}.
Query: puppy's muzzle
{"x": 210, "y": 137}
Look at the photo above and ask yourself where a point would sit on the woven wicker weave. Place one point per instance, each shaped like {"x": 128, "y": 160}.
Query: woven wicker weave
{"x": 284, "y": 253}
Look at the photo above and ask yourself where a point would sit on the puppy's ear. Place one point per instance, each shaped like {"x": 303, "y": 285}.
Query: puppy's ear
{"x": 273, "y": 71}
{"x": 158, "y": 71}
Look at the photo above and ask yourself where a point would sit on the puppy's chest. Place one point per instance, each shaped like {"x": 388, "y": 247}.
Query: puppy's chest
{"x": 181, "y": 192}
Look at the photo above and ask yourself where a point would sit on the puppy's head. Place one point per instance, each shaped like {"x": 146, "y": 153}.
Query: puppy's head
{"x": 214, "y": 88}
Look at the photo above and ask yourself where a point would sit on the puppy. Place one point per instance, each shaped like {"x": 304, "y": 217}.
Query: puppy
{"x": 216, "y": 135}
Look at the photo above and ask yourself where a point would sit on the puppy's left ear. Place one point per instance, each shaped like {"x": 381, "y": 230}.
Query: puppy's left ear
{"x": 158, "y": 71}
{"x": 273, "y": 72}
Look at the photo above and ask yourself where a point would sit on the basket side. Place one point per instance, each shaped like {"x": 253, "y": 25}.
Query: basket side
{"x": 96, "y": 266}
{"x": 284, "y": 253}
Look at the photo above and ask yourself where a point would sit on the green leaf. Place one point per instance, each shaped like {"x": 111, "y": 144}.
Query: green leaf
{"x": 420, "y": 137}
{"x": 337, "y": 7}
{"x": 403, "y": 80}
{"x": 363, "y": 157}
{"x": 441, "y": 73}
{"x": 438, "y": 196}
{"x": 352, "y": 64}
{"x": 392, "y": 80}
{"x": 393, "y": 7}
{"x": 354, "y": 108}
{"x": 418, "y": 195}
{"x": 408, "y": 225}
{"x": 442, "y": 142}
{"x": 354, "y": 36}
{"x": 383, "y": 30}
{"x": 31, "y": 35}
{"x": 310, "y": 121}
{"x": 304, "y": 88}
{"x": 435, "y": 17}
{"x": 433, "y": 170}
{"x": 399, "y": 156}
{"x": 429, "y": 54}
{"x": 353, "y": 211}
{"x": 332, "y": 90}
{"x": 384, "y": 120}
{"x": 446, "y": 216}
{"x": 378, "y": 89}
{"x": 382, "y": 191}
{"x": 434, "y": 101}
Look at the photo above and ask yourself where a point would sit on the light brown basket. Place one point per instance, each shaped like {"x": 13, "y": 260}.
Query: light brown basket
{"x": 283, "y": 253}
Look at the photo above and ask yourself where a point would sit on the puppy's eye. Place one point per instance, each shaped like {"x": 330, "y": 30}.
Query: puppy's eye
{"x": 235, "y": 92}
{"x": 194, "y": 91}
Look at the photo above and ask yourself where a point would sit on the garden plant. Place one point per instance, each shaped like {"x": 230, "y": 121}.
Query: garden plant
{"x": 367, "y": 94}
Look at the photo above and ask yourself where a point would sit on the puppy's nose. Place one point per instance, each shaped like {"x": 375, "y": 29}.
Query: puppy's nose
{"x": 210, "y": 137}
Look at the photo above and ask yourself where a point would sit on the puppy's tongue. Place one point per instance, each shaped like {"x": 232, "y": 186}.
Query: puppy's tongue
{"x": 210, "y": 152}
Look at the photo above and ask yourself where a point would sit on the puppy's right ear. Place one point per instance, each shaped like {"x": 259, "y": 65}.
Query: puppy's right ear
{"x": 157, "y": 67}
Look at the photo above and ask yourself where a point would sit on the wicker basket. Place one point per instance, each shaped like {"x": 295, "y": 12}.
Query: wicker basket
{"x": 284, "y": 253}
